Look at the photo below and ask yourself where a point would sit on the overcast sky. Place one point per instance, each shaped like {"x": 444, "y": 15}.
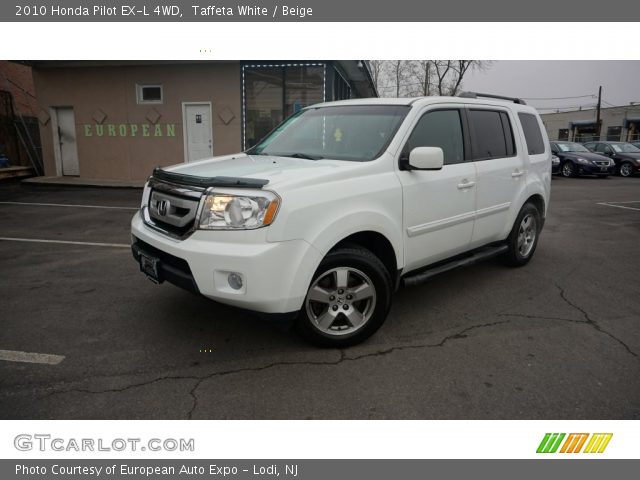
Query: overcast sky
{"x": 533, "y": 79}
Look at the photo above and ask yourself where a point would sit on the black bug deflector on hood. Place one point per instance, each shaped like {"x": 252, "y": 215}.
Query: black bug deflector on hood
{"x": 205, "y": 182}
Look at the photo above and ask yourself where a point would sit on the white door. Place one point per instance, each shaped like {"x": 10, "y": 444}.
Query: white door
{"x": 198, "y": 134}
{"x": 439, "y": 205}
{"x": 501, "y": 173}
{"x": 65, "y": 137}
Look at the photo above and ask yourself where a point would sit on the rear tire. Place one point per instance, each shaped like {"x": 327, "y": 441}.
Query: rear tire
{"x": 523, "y": 239}
{"x": 348, "y": 299}
{"x": 626, "y": 169}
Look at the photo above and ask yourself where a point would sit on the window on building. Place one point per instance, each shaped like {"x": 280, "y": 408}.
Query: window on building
{"x": 149, "y": 93}
{"x": 273, "y": 93}
{"x": 491, "y": 138}
{"x": 442, "y": 128}
{"x": 614, "y": 134}
{"x": 563, "y": 134}
{"x": 302, "y": 86}
{"x": 341, "y": 88}
{"x": 532, "y": 133}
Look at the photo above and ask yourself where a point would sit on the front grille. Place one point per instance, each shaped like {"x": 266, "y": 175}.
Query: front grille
{"x": 172, "y": 209}
{"x": 602, "y": 163}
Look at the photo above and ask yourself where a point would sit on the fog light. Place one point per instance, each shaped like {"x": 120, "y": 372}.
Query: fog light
{"x": 235, "y": 281}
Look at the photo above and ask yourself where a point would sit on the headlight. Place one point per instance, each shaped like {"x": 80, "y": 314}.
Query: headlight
{"x": 582, "y": 160}
{"x": 224, "y": 211}
{"x": 555, "y": 161}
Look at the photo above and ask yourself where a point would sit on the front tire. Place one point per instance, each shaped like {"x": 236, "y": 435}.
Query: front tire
{"x": 523, "y": 239}
{"x": 348, "y": 299}
{"x": 568, "y": 169}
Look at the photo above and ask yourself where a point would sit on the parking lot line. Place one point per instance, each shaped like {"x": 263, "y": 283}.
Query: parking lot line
{"x": 612, "y": 204}
{"x": 66, "y": 242}
{"x": 27, "y": 357}
{"x": 67, "y": 205}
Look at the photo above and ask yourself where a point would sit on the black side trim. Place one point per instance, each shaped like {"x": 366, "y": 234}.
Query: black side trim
{"x": 205, "y": 182}
{"x": 420, "y": 276}
{"x": 172, "y": 269}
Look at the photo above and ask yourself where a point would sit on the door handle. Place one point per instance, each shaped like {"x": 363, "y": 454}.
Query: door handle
{"x": 465, "y": 184}
{"x": 517, "y": 174}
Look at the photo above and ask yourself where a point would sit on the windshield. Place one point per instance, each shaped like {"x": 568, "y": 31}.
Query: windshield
{"x": 357, "y": 133}
{"x": 625, "y": 148}
{"x": 571, "y": 147}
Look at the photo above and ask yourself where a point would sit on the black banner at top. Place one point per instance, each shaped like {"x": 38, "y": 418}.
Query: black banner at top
{"x": 323, "y": 11}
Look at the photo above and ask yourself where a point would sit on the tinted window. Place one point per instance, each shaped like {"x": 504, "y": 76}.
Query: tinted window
{"x": 600, "y": 147}
{"x": 532, "y": 134}
{"x": 489, "y": 135}
{"x": 508, "y": 134}
{"x": 442, "y": 128}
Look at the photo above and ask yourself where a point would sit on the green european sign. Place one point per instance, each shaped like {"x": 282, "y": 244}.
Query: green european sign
{"x": 130, "y": 130}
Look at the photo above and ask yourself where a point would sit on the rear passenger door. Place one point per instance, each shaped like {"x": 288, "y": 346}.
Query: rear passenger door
{"x": 501, "y": 174}
{"x": 438, "y": 206}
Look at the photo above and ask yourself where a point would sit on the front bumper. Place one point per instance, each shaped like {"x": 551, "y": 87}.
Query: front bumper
{"x": 276, "y": 275}
{"x": 590, "y": 169}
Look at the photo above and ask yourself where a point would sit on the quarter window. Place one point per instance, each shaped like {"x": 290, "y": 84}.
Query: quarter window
{"x": 532, "y": 134}
{"x": 440, "y": 128}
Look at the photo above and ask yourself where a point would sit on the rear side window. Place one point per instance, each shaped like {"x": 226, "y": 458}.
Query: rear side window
{"x": 493, "y": 136}
{"x": 532, "y": 134}
{"x": 440, "y": 128}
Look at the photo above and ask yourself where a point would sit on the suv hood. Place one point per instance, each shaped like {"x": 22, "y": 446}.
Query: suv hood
{"x": 279, "y": 171}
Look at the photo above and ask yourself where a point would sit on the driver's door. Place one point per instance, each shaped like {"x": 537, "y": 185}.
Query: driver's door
{"x": 439, "y": 205}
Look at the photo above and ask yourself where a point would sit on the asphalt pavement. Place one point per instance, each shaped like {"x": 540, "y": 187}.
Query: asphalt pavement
{"x": 84, "y": 335}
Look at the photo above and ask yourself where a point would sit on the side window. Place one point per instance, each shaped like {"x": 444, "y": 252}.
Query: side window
{"x": 440, "y": 128}
{"x": 599, "y": 148}
{"x": 532, "y": 134}
{"x": 490, "y": 134}
{"x": 508, "y": 134}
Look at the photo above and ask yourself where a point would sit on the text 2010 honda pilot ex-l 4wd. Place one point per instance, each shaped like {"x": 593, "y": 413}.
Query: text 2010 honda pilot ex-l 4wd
{"x": 346, "y": 201}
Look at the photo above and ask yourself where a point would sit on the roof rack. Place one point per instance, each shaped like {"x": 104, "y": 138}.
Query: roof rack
{"x": 488, "y": 95}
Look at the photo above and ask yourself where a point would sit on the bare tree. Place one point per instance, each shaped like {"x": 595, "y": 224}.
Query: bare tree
{"x": 409, "y": 78}
{"x": 442, "y": 68}
{"x": 423, "y": 72}
{"x": 399, "y": 72}
{"x": 451, "y": 73}
{"x": 377, "y": 73}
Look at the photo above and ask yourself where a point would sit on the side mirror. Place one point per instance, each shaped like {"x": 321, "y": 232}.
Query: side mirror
{"x": 555, "y": 152}
{"x": 426, "y": 158}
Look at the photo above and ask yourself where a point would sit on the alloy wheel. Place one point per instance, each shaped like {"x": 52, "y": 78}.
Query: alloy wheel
{"x": 341, "y": 301}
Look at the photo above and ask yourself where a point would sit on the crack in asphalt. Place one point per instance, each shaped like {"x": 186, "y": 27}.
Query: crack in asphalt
{"x": 591, "y": 322}
{"x": 342, "y": 358}
{"x": 587, "y": 319}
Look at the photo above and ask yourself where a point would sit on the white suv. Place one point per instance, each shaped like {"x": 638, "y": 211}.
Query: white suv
{"x": 346, "y": 201}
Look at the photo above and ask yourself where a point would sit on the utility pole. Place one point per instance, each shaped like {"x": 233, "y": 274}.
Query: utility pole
{"x": 598, "y": 120}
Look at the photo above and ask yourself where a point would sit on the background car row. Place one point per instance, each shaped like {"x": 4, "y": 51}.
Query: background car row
{"x": 602, "y": 158}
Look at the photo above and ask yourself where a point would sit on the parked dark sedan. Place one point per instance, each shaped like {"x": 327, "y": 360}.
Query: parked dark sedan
{"x": 626, "y": 155}
{"x": 576, "y": 160}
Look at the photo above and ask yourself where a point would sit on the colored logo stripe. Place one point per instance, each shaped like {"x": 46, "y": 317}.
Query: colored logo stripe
{"x": 575, "y": 441}
{"x": 598, "y": 442}
{"x": 550, "y": 442}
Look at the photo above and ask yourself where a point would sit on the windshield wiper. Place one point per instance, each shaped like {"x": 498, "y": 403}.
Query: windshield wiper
{"x": 306, "y": 156}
